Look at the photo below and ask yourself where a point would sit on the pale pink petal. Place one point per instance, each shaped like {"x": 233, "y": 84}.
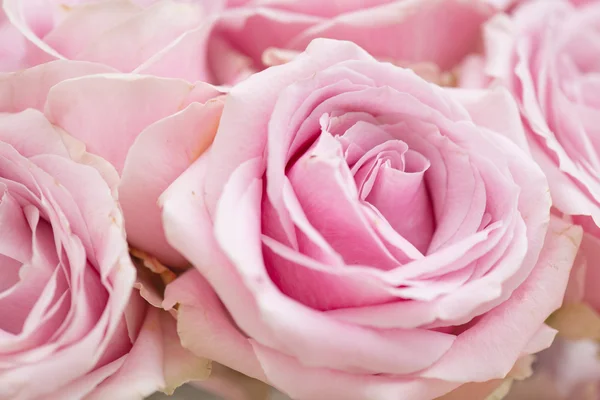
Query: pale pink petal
{"x": 184, "y": 58}
{"x": 527, "y": 309}
{"x": 200, "y": 315}
{"x": 86, "y": 23}
{"x": 422, "y": 26}
{"x": 68, "y": 107}
{"x": 186, "y": 225}
{"x": 16, "y": 51}
{"x": 147, "y": 32}
{"x": 29, "y": 88}
{"x": 156, "y": 362}
{"x": 496, "y": 110}
{"x": 159, "y": 155}
{"x": 308, "y": 383}
{"x": 33, "y": 21}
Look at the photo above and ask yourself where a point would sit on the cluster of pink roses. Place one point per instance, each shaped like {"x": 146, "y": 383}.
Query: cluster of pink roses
{"x": 344, "y": 200}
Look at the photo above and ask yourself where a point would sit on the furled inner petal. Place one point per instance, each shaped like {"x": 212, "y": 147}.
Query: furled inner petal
{"x": 10, "y": 272}
{"x": 289, "y": 135}
{"x": 326, "y": 190}
{"x": 454, "y": 186}
{"x": 402, "y": 198}
{"x": 365, "y": 170}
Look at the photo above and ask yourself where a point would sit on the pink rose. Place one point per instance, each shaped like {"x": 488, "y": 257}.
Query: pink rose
{"x": 366, "y": 234}
{"x": 542, "y": 55}
{"x": 70, "y": 324}
{"x": 222, "y": 41}
{"x": 151, "y": 129}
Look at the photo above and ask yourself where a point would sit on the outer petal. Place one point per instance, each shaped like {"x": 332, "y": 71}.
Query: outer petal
{"x": 159, "y": 155}
{"x": 184, "y": 58}
{"x": 16, "y": 51}
{"x": 306, "y": 383}
{"x": 19, "y": 14}
{"x": 156, "y": 362}
{"x": 187, "y": 224}
{"x": 29, "y": 88}
{"x": 496, "y": 110}
{"x": 503, "y": 333}
{"x": 80, "y": 107}
{"x": 147, "y": 32}
{"x": 405, "y": 21}
{"x": 205, "y": 328}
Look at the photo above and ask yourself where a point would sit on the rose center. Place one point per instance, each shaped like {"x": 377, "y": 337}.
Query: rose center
{"x": 391, "y": 179}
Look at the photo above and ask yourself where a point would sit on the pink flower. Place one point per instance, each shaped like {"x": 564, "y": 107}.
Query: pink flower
{"x": 542, "y": 55}
{"x": 70, "y": 325}
{"x": 366, "y": 234}
{"x": 222, "y": 41}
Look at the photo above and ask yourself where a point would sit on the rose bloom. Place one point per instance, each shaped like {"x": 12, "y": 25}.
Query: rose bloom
{"x": 361, "y": 233}
{"x": 542, "y": 55}
{"x": 221, "y": 41}
{"x": 71, "y": 325}
{"x": 150, "y": 129}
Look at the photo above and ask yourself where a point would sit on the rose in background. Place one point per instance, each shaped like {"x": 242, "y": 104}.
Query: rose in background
{"x": 150, "y": 129}
{"x": 544, "y": 54}
{"x": 71, "y": 324}
{"x": 222, "y": 42}
{"x": 361, "y": 233}
{"x": 541, "y": 53}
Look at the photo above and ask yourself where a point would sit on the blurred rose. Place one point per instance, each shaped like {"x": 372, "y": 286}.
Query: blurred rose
{"x": 367, "y": 234}
{"x": 221, "y": 41}
{"x": 543, "y": 56}
{"x": 569, "y": 370}
{"x": 70, "y": 326}
{"x": 150, "y": 129}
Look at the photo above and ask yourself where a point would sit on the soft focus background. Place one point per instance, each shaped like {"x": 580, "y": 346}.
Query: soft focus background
{"x": 187, "y": 392}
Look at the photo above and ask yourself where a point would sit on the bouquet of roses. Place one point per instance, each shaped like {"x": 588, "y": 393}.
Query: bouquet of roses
{"x": 334, "y": 199}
